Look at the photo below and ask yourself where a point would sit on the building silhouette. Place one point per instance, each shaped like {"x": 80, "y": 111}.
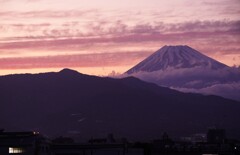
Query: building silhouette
{"x": 25, "y": 143}
{"x": 216, "y": 135}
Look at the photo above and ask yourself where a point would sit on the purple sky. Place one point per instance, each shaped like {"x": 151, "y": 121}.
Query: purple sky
{"x": 99, "y": 36}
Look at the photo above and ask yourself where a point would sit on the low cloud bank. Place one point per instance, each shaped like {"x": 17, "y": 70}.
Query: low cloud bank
{"x": 227, "y": 90}
{"x": 222, "y": 82}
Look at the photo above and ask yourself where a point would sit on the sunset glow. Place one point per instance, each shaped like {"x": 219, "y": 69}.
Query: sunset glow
{"x": 98, "y": 37}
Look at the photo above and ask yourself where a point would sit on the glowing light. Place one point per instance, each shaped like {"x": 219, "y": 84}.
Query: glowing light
{"x": 15, "y": 150}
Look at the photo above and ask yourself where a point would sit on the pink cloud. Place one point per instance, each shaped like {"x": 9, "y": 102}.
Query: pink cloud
{"x": 48, "y": 13}
{"x": 77, "y": 60}
{"x": 206, "y": 36}
{"x": 185, "y": 37}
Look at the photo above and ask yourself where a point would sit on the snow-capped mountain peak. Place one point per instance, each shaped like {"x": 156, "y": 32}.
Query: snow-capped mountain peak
{"x": 180, "y": 56}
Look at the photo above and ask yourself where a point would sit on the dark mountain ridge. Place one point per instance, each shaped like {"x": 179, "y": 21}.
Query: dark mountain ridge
{"x": 71, "y": 103}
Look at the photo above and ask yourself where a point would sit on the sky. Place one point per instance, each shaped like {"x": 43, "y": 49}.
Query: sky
{"x": 102, "y": 37}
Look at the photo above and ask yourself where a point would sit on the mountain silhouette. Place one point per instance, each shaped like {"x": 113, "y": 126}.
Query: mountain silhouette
{"x": 74, "y": 104}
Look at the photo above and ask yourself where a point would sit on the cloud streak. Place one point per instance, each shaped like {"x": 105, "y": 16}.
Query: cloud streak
{"x": 47, "y": 14}
{"x": 77, "y": 60}
{"x": 120, "y": 32}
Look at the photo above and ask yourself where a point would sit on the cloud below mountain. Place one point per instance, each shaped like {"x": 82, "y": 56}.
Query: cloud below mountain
{"x": 227, "y": 90}
{"x": 224, "y": 82}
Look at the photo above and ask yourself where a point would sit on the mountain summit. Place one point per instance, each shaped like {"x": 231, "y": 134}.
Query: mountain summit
{"x": 185, "y": 69}
{"x": 180, "y": 56}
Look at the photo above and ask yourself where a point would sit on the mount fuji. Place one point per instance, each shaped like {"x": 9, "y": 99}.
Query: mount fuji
{"x": 175, "y": 57}
{"x": 186, "y": 69}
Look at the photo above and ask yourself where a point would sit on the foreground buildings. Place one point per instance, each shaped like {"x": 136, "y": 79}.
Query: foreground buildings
{"x": 26, "y": 143}
{"x": 33, "y": 143}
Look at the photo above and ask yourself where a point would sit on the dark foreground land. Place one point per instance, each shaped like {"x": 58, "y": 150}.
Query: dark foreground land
{"x": 33, "y": 143}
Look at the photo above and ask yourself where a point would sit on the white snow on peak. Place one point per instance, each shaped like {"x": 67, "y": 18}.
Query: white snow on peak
{"x": 180, "y": 56}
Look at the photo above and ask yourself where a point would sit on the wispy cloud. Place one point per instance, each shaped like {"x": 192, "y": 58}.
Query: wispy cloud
{"x": 48, "y": 14}
{"x": 120, "y": 32}
{"x": 76, "y": 60}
